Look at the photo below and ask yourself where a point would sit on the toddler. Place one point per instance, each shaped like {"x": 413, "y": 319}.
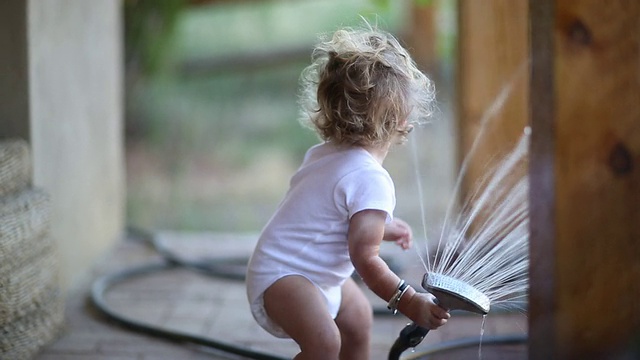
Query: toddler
{"x": 362, "y": 94}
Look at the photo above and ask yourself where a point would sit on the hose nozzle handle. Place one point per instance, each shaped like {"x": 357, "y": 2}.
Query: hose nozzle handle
{"x": 410, "y": 336}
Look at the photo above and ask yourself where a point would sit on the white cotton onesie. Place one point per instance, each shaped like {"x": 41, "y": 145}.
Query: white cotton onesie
{"x": 307, "y": 235}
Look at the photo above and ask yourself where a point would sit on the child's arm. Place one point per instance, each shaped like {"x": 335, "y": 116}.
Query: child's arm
{"x": 366, "y": 231}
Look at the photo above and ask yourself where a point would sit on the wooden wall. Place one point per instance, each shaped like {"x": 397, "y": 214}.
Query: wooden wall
{"x": 584, "y": 111}
{"x": 585, "y": 180}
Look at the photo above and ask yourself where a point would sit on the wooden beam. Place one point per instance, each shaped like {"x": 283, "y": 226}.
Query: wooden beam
{"x": 493, "y": 56}
{"x": 422, "y": 36}
{"x": 244, "y": 61}
{"x": 585, "y": 180}
{"x": 541, "y": 183}
{"x": 492, "y": 65}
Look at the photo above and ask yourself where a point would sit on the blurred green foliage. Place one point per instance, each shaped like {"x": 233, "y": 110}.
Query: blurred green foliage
{"x": 148, "y": 30}
{"x": 213, "y": 149}
{"x": 150, "y": 25}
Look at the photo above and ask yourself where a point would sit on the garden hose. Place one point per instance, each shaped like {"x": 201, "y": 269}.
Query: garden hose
{"x": 410, "y": 337}
{"x": 103, "y": 284}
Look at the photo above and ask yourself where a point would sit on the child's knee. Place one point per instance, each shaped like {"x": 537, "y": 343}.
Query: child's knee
{"x": 357, "y": 328}
{"x": 323, "y": 342}
{"x": 358, "y": 333}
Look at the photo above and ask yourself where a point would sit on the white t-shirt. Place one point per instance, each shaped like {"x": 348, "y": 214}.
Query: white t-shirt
{"x": 307, "y": 235}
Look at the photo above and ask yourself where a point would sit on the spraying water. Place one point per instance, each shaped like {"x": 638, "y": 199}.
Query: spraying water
{"x": 484, "y": 241}
{"x": 481, "y": 256}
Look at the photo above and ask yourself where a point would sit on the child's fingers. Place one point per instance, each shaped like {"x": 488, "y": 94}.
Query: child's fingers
{"x": 440, "y": 313}
{"x": 404, "y": 243}
{"x": 436, "y": 323}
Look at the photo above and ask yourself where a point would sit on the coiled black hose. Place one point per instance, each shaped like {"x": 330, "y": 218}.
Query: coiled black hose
{"x": 103, "y": 284}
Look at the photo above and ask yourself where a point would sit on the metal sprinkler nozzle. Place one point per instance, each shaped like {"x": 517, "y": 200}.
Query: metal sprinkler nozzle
{"x": 453, "y": 294}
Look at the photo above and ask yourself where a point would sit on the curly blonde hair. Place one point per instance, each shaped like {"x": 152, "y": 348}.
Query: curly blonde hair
{"x": 361, "y": 87}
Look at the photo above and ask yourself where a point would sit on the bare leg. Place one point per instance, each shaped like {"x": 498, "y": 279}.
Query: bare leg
{"x": 355, "y": 320}
{"x": 295, "y": 304}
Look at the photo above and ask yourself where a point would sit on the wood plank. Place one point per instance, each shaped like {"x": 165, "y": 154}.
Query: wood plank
{"x": 593, "y": 161}
{"x": 598, "y": 203}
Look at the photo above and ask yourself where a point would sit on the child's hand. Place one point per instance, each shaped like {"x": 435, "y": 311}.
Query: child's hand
{"x": 400, "y": 232}
{"x": 426, "y": 313}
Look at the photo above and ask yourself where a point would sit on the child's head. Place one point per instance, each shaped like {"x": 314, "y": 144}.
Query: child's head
{"x": 364, "y": 89}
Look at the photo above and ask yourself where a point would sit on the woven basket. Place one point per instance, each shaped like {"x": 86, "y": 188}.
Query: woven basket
{"x": 24, "y": 220}
{"x": 15, "y": 166}
{"x": 31, "y": 305}
{"x": 23, "y": 338}
{"x": 26, "y": 283}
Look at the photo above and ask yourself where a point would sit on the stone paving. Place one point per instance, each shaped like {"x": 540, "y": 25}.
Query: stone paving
{"x": 216, "y": 308}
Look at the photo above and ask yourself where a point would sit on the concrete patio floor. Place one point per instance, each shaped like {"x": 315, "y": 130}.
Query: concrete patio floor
{"x": 216, "y": 308}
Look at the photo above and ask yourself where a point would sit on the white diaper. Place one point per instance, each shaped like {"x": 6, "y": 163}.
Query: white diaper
{"x": 257, "y": 285}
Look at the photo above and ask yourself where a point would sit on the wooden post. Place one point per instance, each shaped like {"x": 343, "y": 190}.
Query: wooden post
{"x": 493, "y": 62}
{"x": 585, "y": 180}
{"x": 422, "y": 36}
